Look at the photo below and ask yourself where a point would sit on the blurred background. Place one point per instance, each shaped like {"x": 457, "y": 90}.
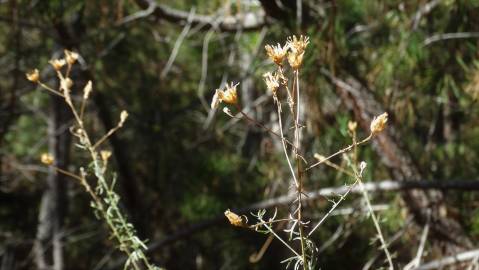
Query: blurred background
{"x": 180, "y": 165}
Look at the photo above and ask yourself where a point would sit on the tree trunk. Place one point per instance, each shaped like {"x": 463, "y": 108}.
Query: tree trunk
{"x": 49, "y": 239}
{"x": 420, "y": 202}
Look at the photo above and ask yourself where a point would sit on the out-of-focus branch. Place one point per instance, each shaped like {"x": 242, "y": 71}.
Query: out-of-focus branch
{"x": 455, "y": 259}
{"x": 386, "y": 185}
{"x": 445, "y": 36}
{"x": 245, "y": 21}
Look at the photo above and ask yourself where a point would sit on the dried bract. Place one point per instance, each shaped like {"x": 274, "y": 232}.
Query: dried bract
{"x": 276, "y": 53}
{"x": 234, "y": 219}
{"x": 216, "y": 100}
{"x": 379, "y": 123}
{"x": 33, "y": 76}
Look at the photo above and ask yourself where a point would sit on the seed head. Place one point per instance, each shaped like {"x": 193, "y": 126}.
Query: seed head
{"x": 234, "y": 219}
{"x": 47, "y": 159}
{"x": 272, "y": 81}
{"x": 276, "y": 53}
{"x": 379, "y": 123}
{"x": 33, "y": 76}
{"x": 57, "y": 64}
{"x": 71, "y": 57}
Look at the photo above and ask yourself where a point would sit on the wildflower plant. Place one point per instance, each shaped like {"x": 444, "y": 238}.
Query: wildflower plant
{"x": 284, "y": 85}
{"x": 104, "y": 199}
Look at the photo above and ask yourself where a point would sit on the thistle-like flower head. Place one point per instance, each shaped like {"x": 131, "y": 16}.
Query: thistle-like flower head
{"x": 229, "y": 95}
{"x": 276, "y": 53}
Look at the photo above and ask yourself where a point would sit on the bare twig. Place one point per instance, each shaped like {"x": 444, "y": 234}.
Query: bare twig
{"x": 177, "y": 45}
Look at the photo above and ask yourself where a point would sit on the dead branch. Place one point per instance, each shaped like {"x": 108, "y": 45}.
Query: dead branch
{"x": 247, "y": 21}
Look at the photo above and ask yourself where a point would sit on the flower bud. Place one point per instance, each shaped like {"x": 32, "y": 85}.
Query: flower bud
{"x": 47, "y": 159}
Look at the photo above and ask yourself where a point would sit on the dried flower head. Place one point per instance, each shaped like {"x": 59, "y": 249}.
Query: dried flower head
{"x": 33, "y": 76}
{"x": 71, "y": 57}
{"x": 272, "y": 81}
{"x": 57, "y": 64}
{"x": 123, "y": 116}
{"x": 298, "y": 45}
{"x": 276, "y": 53}
{"x": 295, "y": 59}
{"x": 105, "y": 155}
{"x": 87, "y": 90}
{"x": 47, "y": 159}
{"x": 228, "y": 95}
{"x": 379, "y": 123}
{"x": 234, "y": 219}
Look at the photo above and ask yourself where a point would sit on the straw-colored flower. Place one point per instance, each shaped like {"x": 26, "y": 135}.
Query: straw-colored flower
{"x": 33, "y": 76}
{"x": 234, "y": 219}
{"x": 47, "y": 159}
{"x": 229, "y": 95}
{"x": 71, "y": 57}
{"x": 272, "y": 81}
{"x": 379, "y": 123}
{"x": 276, "y": 53}
{"x": 57, "y": 64}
